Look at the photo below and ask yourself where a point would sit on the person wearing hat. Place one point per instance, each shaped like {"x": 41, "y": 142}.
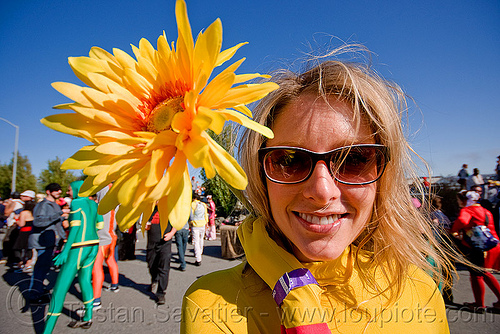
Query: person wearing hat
{"x": 47, "y": 221}
{"x": 27, "y": 195}
{"x": 14, "y": 208}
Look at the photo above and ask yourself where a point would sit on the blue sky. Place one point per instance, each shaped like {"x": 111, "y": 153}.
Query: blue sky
{"x": 444, "y": 54}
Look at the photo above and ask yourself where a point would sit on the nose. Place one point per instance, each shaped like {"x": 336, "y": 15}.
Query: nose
{"x": 321, "y": 187}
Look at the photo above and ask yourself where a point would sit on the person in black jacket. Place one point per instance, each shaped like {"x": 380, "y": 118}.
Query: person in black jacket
{"x": 158, "y": 254}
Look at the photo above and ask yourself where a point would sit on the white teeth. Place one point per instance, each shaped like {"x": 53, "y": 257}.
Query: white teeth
{"x": 324, "y": 220}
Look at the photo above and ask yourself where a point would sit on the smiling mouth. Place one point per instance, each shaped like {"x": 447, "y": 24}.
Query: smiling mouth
{"x": 325, "y": 220}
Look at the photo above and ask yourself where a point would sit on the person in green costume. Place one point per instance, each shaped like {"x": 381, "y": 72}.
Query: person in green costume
{"x": 77, "y": 257}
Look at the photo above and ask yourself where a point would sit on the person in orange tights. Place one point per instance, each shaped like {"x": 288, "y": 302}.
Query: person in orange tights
{"x": 107, "y": 244}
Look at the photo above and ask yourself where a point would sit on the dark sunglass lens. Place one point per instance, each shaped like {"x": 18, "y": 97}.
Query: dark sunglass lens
{"x": 358, "y": 165}
{"x": 287, "y": 166}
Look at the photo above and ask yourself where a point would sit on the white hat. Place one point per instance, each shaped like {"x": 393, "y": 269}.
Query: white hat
{"x": 29, "y": 193}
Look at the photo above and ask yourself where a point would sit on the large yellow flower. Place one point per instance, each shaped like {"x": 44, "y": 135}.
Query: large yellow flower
{"x": 146, "y": 119}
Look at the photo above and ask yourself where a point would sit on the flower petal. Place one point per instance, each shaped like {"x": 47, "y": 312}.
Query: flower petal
{"x": 228, "y": 54}
{"x": 81, "y": 159}
{"x": 227, "y": 167}
{"x": 206, "y": 50}
{"x": 114, "y": 148}
{"x": 247, "y": 122}
{"x": 75, "y": 125}
{"x": 245, "y": 94}
{"x": 160, "y": 160}
{"x": 179, "y": 197}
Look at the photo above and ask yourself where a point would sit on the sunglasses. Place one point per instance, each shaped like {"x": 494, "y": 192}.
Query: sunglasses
{"x": 354, "y": 165}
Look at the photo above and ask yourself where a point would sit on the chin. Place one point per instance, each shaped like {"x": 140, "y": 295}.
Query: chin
{"x": 316, "y": 253}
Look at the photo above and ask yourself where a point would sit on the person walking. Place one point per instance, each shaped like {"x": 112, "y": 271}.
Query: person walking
{"x": 181, "y": 240}
{"x": 76, "y": 258}
{"x": 198, "y": 220}
{"x": 107, "y": 244}
{"x": 158, "y": 254}
{"x": 473, "y": 214}
{"x": 47, "y": 223}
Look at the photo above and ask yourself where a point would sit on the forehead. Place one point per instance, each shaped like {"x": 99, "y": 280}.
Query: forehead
{"x": 320, "y": 125}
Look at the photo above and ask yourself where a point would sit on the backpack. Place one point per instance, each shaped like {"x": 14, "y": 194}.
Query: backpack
{"x": 479, "y": 237}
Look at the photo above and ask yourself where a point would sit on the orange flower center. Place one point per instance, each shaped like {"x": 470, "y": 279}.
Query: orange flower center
{"x": 161, "y": 116}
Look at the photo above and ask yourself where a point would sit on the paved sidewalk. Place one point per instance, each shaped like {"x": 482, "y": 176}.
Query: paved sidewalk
{"x": 132, "y": 310}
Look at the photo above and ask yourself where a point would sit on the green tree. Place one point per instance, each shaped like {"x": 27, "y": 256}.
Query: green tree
{"x": 223, "y": 197}
{"x": 54, "y": 173}
{"x": 24, "y": 177}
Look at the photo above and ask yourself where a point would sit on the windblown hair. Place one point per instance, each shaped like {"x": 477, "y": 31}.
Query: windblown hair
{"x": 397, "y": 235}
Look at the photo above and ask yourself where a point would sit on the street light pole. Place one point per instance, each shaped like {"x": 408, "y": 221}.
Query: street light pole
{"x": 16, "y": 144}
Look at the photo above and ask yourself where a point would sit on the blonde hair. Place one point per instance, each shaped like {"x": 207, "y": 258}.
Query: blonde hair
{"x": 397, "y": 234}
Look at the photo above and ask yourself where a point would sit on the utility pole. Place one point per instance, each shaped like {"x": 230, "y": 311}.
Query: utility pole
{"x": 16, "y": 144}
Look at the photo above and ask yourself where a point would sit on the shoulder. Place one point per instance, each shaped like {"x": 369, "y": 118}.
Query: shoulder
{"x": 422, "y": 289}
{"x": 41, "y": 203}
{"x": 25, "y": 214}
{"x": 44, "y": 204}
{"x": 224, "y": 284}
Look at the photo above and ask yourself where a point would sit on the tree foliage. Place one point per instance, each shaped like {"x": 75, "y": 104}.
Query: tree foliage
{"x": 54, "y": 173}
{"x": 223, "y": 197}
{"x": 24, "y": 177}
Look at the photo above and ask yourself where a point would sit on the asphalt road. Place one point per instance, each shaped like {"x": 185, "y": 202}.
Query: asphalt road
{"x": 132, "y": 309}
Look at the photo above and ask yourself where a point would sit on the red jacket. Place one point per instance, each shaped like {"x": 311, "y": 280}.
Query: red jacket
{"x": 471, "y": 216}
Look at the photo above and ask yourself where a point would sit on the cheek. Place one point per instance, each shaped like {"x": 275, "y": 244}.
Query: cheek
{"x": 362, "y": 199}
{"x": 280, "y": 197}
{"x": 276, "y": 196}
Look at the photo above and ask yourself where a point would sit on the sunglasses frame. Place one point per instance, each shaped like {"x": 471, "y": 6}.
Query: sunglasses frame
{"x": 316, "y": 157}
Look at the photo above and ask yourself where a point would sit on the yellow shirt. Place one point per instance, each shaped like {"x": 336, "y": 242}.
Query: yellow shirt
{"x": 237, "y": 300}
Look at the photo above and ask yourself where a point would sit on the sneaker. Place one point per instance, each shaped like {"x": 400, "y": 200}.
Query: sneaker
{"x": 80, "y": 324}
{"x": 113, "y": 288}
{"x": 97, "y": 306}
{"x": 81, "y": 311}
{"x": 160, "y": 300}
{"x": 197, "y": 263}
{"x": 182, "y": 268}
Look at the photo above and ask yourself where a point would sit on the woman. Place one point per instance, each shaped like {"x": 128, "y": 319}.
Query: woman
{"x": 472, "y": 214}
{"x": 210, "y": 232}
{"x": 21, "y": 249}
{"x": 335, "y": 243}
